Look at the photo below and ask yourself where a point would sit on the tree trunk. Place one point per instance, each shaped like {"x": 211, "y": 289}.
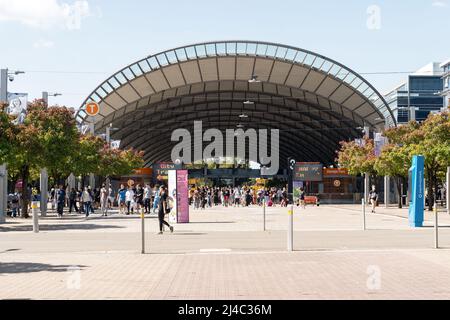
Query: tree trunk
{"x": 25, "y": 173}
{"x": 398, "y": 184}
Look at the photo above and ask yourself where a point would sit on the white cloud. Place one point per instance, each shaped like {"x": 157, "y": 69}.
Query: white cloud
{"x": 45, "y": 13}
{"x": 41, "y": 43}
{"x": 440, "y": 4}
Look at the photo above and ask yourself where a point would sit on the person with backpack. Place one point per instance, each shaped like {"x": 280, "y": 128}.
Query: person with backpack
{"x": 121, "y": 198}
{"x": 104, "y": 194}
{"x": 163, "y": 209}
{"x": 73, "y": 200}
{"x": 86, "y": 198}
{"x": 15, "y": 199}
{"x": 60, "y": 200}
{"x": 373, "y": 198}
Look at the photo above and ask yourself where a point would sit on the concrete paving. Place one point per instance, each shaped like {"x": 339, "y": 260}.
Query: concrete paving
{"x": 224, "y": 254}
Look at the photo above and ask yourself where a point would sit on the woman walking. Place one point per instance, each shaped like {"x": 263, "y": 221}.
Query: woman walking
{"x": 87, "y": 200}
{"x": 162, "y": 210}
{"x": 373, "y": 198}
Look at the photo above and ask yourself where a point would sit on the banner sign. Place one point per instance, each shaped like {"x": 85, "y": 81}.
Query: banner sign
{"x": 297, "y": 185}
{"x": 17, "y": 106}
{"x": 379, "y": 142}
{"x": 172, "y": 182}
{"x": 308, "y": 171}
{"x": 183, "y": 196}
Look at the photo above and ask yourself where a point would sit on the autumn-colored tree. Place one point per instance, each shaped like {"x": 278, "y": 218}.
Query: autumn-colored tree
{"x": 357, "y": 158}
{"x": 116, "y": 162}
{"x": 57, "y": 136}
{"x": 430, "y": 138}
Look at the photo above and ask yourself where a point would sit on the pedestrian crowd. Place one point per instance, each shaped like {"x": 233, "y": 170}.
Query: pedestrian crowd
{"x": 240, "y": 196}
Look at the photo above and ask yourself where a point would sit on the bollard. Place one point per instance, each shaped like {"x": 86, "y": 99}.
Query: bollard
{"x": 436, "y": 226}
{"x": 290, "y": 239}
{"x": 264, "y": 214}
{"x": 143, "y": 231}
{"x": 363, "y": 205}
{"x": 34, "y": 211}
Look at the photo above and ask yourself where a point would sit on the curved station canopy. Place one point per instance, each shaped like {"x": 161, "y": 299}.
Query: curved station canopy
{"x": 315, "y": 102}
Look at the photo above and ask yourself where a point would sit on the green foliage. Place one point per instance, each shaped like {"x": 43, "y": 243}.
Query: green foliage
{"x": 357, "y": 159}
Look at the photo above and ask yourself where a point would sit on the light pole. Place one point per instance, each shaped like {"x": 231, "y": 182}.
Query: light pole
{"x": 45, "y": 96}
{"x": 5, "y": 76}
{"x": 44, "y": 174}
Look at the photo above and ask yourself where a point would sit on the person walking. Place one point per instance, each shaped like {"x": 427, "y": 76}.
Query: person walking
{"x": 73, "y": 200}
{"x": 302, "y": 198}
{"x": 373, "y": 198}
{"x": 121, "y": 198}
{"x": 86, "y": 198}
{"x": 163, "y": 209}
{"x": 147, "y": 198}
{"x": 139, "y": 198}
{"x": 60, "y": 200}
{"x": 104, "y": 195}
{"x": 129, "y": 198}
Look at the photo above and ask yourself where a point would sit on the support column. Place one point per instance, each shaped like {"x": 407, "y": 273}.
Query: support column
{"x": 366, "y": 187}
{"x": 3, "y": 192}
{"x": 92, "y": 131}
{"x": 386, "y": 191}
{"x": 44, "y": 191}
{"x": 3, "y": 170}
{"x": 92, "y": 181}
{"x": 447, "y": 191}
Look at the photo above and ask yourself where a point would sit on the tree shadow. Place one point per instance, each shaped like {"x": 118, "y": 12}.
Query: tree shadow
{"x": 27, "y": 267}
{"x": 56, "y": 227}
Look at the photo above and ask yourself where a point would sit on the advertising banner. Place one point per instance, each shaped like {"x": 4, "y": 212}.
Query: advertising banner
{"x": 296, "y": 189}
{"x": 17, "y": 106}
{"x": 183, "y": 196}
{"x": 172, "y": 188}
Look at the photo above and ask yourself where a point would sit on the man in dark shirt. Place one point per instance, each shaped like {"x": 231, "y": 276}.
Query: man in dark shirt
{"x": 163, "y": 205}
{"x": 73, "y": 200}
{"x": 60, "y": 199}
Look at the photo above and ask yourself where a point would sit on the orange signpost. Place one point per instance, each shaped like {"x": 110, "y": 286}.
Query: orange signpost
{"x": 92, "y": 108}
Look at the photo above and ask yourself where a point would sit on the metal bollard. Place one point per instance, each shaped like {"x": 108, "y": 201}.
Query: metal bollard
{"x": 142, "y": 231}
{"x": 363, "y": 205}
{"x": 34, "y": 211}
{"x": 436, "y": 226}
{"x": 290, "y": 239}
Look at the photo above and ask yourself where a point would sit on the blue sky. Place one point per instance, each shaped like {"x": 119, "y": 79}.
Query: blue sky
{"x": 86, "y": 41}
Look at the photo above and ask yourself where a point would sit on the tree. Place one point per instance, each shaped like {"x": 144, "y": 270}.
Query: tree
{"x": 394, "y": 161}
{"x": 57, "y": 136}
{"x": 358, "y": 159}
{"x": 85, "y": 159}
{"x": 431, "y": 139}
{"x": 116, "y": 162}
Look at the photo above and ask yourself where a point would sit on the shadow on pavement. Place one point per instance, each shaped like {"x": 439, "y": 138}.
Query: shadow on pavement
{"x": 27, "y": 267}
{"x": 213, "y": 222}
{"x": 55, "y": 227}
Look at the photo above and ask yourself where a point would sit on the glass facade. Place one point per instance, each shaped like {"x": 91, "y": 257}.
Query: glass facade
{"x": 421, "y": 92}
{"x": 446, "y": 83}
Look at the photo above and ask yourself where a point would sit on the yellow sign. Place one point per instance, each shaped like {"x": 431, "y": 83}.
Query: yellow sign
{"x": 290, "y": 212}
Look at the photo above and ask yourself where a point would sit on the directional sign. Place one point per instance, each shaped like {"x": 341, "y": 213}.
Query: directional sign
{"x": 308, "y": 171}
{"x": 92, "y": 108}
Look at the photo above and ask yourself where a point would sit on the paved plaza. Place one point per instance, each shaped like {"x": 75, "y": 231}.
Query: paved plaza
{"x": 223, "y": 253}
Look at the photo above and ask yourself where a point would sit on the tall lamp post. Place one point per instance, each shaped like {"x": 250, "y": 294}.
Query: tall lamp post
{"x": 44, "y": 174}
{"x": 5, "y": 76}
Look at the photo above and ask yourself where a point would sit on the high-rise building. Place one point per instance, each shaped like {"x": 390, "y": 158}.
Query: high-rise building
{"x": 446, "y": 83}
{"x": 419, "y": 95}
